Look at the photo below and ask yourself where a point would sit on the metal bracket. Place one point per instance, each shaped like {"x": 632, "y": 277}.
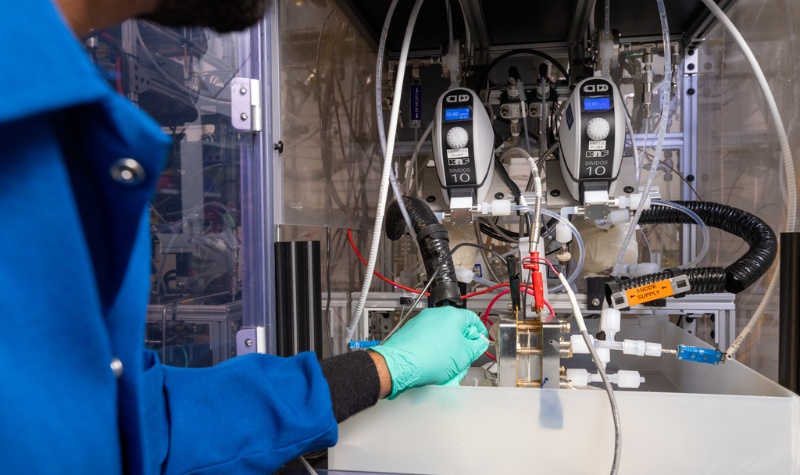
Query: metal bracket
{"x": 246, "y": 104}
{"x": 251, "y": 340}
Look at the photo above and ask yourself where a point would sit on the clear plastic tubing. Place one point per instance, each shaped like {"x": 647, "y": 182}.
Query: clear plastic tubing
{"x": 662, "y": 132}
{"x": 486, "y": 282}
{"x": 575, "y": 234}
{"x": 700, "y": 223}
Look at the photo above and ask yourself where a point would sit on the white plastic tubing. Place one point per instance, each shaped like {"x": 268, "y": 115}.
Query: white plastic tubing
{"x": 662, "y": 132}
{"x": 387, "y": 167}
{"x": 788, "y": 167}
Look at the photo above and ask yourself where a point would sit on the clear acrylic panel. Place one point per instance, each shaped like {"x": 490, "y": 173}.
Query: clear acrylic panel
{"x": 739, "y": 160}
{"x": 181, "y": 78}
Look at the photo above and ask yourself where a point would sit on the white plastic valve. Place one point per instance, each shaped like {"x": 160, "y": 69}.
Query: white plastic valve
{"x": 627, "y": 379}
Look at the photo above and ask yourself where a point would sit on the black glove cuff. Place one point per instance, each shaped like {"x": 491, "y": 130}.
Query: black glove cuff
{"x": 353, "y": 382}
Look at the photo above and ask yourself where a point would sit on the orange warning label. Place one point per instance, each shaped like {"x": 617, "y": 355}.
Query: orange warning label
{"x": 649, "y": 292}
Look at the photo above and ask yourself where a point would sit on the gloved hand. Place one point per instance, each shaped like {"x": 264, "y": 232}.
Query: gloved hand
{"x": 435, "y": 347}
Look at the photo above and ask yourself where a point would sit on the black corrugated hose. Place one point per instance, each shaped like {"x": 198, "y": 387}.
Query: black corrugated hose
{"x": 433, "y": 245}
{"x": 704, "y": 280}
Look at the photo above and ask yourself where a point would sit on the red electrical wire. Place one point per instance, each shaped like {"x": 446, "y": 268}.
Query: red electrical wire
{"x": 484, "y": 291}
{"x": 378, "y": 274}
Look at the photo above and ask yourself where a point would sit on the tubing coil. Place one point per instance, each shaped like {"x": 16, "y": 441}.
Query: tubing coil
{"x": 736, "y": 277}
{"x": 433, "y": 245}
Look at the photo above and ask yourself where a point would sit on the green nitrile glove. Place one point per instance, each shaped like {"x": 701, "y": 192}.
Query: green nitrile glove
{"x": 435, "y": 347}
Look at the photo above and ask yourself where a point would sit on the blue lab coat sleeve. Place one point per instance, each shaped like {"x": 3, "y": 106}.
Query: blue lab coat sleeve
{"x": 246, "y": 415}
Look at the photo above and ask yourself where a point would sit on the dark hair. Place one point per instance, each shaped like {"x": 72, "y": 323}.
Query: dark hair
{"x": 219, "y": 15}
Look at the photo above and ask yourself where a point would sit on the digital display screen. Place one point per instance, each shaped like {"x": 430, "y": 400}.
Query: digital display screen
{"x": 461, "y": 113}
{"x": 597, "y": 104}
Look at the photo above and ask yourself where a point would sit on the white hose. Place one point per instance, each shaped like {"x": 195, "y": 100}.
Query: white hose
{"x": 576, "y": 312}
{"x": 379, "y": 117}
{"x": 387, "y": 169}
{"x": 662, "y": 132}
{"x": 788, "y": 167}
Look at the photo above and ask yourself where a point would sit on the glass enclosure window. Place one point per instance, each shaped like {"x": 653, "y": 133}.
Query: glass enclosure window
{"x": 328, "y": 173}
{"x": 738, "y": 159}
{"x": 181, "y": 77}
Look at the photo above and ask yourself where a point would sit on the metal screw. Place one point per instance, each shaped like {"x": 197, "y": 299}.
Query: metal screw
{"x": 555, "y": 193}
{"x": 430, "y": 199}
{"x": 595, "y": 302}
{"x": 690, "y": 66}
{"x": 243, "y": 91}
{"x": 628, "y": 189}
{"x": 499, "y": 195}
{"x": 691, "y": 90}
{"x": 243, "y": 116}
{"x": 690, "y": 52}
{"x": 248, "y": 343}
{"x": 278, "y": 147}
{"x": 690, "y": 178}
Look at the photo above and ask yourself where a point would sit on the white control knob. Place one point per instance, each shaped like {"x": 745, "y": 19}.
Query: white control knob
{"x": 598, "y": 128}
{"x": 457, "y": 137}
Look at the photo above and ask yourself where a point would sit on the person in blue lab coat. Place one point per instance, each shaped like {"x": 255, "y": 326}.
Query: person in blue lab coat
{"x": 78, "y": 392}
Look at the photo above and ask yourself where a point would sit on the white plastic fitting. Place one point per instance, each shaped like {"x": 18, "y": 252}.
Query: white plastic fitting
{"x": 563, "y": 233}
{"x": 619, "y": 216}
{"x": 578, "y": 376}
{"x": 496, "y": 208}
{"x": 643, "y": 268}
{"x": 604, "y": 354}
{"x": 465, "y": 275}
{"x": 632, "y": 201}
{"x": 610, "y": 322}
{"x": 626, "y": 379}
{"x": 579, "y": 345}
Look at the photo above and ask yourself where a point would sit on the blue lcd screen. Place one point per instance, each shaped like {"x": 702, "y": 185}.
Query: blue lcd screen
{"x": 461, "y": 113}
{"x": 597, "y": 104}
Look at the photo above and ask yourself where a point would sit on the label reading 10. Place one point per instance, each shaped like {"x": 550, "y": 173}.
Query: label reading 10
{"x": 460, "y": 177}
{"x": 596, "y": 171}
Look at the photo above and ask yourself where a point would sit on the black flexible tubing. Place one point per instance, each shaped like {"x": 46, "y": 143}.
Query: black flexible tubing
{"x": 514, "y": 52}
{"x": 433, "y": 245}
{"x": 736, "y": 277}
